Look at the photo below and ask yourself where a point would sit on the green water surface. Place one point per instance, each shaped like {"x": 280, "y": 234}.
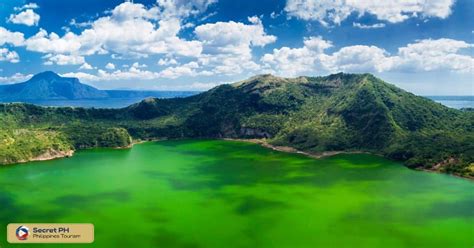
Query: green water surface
{"x": 210, "y": 193}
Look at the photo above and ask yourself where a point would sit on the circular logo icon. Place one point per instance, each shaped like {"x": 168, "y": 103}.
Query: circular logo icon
{"x": 22, "y": 233}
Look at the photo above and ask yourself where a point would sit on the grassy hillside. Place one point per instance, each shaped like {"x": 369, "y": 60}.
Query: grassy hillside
{"x": 315, "y": 114}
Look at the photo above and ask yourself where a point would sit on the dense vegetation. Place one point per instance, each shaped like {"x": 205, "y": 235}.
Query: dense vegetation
{"x": 338, "y": 112}
{"x": 28, "y": 131}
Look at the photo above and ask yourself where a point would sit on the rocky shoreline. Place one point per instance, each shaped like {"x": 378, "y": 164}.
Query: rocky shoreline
{"x": 289, "y": 149}
{"x": 54, "y": 154}
{"x": 440, "y": 172}
{"x": 49, "y": 155}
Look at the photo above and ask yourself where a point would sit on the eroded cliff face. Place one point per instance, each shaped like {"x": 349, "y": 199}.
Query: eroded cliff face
{"x": 254, "y": 133}
{"x": 21, "y": 144}
{"x": 49, "y": 155}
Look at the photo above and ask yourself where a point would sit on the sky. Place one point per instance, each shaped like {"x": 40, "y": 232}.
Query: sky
{"x": 425, "y": 47}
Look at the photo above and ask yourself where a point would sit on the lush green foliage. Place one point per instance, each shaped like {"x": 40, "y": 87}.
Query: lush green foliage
{"x": 86, "y": 136}
{"x": 337, "y": 112}
{"x": 22, "y": 144}
{"x": 28, "y": 131}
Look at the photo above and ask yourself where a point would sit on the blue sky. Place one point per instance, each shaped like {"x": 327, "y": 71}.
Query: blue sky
{"x": 425, "y": 47}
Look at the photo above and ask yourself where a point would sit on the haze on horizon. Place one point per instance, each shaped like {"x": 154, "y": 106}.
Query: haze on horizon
{"x": 423, "y": 46}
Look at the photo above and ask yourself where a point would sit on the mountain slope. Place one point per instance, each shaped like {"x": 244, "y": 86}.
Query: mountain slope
{"x": 315, "y": 114}
{"x": 340, "y": 112}
{"x": 48, "y": 86}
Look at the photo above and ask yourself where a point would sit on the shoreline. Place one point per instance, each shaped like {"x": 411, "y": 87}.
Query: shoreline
{"x": 442, "y": 173}
{"x": 46, "y": 156}
{"x": 289, "y": 149}
{"x": 140, "y": 141}
{"x": 52, "y": 154}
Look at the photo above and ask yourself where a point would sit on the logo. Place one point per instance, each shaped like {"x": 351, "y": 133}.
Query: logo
{"x": 22, "y": 233}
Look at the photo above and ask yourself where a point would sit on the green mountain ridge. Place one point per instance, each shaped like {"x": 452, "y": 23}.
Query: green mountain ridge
{"x": 339, "y": 112}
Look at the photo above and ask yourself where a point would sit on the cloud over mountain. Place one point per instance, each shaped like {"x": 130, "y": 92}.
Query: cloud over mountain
{"x": 423, "y": 55}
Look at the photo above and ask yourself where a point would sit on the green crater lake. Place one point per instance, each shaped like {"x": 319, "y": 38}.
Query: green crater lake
{"x": 212, "y": 193}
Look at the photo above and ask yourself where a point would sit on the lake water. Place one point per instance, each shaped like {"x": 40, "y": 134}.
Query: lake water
{"x": 208, "y": 193}
{"x": 456, "y": 102}
{"x": 87, "y": 103}
{"x": 112, "y": 102}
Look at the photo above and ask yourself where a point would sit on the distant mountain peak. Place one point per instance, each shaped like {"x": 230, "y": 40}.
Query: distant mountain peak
{"x": 47, "y": 75}
{"x": 50, "y": 86}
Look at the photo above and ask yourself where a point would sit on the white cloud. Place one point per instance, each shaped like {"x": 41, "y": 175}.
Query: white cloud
{"x": 15, "y": 78}
{"x": 167, "y": 61}
{"x": 52, "y": 43}
{"x": 138, "y": 65}
{"x": 86, "y": 66}
{"x": 183, "y": 8}
{"x": 27, "y": 6}
{"x": 188, "y": 69}
{"x": 335, "y": 11}
{"x": 424, "y": 55}
{"x": 135, "y": 73}
{"x": 110, "y": 66}
{"x": 231, "y": 35}
{"x": 27, "y": 17}
{"x": 132, "y": 73}
{"x": 128, "y": 10}
{"x": 10, "y": 56}
{"x": 313, "y": 57}
{"x": 132, "y": 30}
{"x": 76, "y": 24}
{"x": 294, "y": 61}
{"x": 274, "y": 15}
{"x": 82, "y": 76}
{"x": 227, "y": 46}
{"x": 129, "y": 30}
{"x": 132, "y": 36}
{"x": 61, "y": 59}
{"x": 13, "y": 38}
{"x": 430, "y": 55}
{"x": 317, "y": 44}
{"x": 193, "y": 86}
{"x": 363, "y": 26}
{"x": 203, "y": 86}
{"x": 358, "y": 59}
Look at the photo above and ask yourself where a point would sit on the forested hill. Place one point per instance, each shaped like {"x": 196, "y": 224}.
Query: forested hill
{"x": 339, "y": 112}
